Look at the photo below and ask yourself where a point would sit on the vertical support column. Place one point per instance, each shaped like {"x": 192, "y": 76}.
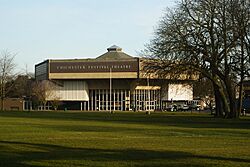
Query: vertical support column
{"x": 103, "y": 92}
{"x": 129, "y": 100}
{"x": 147, "y": 94}
{"x": 125, "y": 95}
{"x": 149, "y": 102}
{"x": 146, "y": 97}
{"x": 110, "y": 100}
{"x": 153, "y": 94}
{"x": 145, "y": 100}
{"x": 106, "y": 90}
{"x": 96, "y": 99}
{"x": 118, "y": 99}
{"x": 92, "y": 100}
{"x": 135, "y": 99}
{"x": 99, "y": 100}
{"x": 102, "y": 103}
{"x": 155, "y": 99}
{"x": 140, "y": 98}
{"x": 89, "y": 100}
{"x": 122, "y": 99}
{"x": 125, "y": 99}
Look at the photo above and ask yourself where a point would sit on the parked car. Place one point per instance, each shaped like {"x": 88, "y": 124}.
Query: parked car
{"x": 183, "y": 107}
{"x": 172, "y": 107}
{"x": 195, "y": 107}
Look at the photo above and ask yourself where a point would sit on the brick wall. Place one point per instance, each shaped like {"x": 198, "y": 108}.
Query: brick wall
{"x": 13, "y": 104}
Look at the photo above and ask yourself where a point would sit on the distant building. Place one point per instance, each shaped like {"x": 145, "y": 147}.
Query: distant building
{"x": 246, "y": 99}
{"x": 112, "y": 81}
{"x": 246, "y": 88}
{"x": 13, "y": 104}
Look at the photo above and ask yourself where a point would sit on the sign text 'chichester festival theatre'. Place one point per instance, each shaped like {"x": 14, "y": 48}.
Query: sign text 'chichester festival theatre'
{"x": 87, "y": 67}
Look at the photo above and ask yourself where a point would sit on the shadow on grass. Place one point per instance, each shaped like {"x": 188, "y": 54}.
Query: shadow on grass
{"x": 10, "y": 155}
{"x": 186, "y": 120}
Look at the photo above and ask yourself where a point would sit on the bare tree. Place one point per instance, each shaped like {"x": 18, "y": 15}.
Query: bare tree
{"x": 203, "y": 90}
{"x": 241, "y": 65}
{"x": 55, "y": 102}
{"x": 7, "y": 66}
{"x": 204, "y": 36}
{"x": 44, "y": 91}
{"x": 19, "y": 87}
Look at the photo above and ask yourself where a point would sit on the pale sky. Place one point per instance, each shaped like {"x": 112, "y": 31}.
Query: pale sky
{"x": 53, "y": 29}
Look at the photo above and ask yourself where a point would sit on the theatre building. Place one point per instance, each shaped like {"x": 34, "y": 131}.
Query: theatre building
{"x": 112, "y": 81}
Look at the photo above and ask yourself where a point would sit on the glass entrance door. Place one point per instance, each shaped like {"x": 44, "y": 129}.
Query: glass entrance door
{"x": 146, "y": 99}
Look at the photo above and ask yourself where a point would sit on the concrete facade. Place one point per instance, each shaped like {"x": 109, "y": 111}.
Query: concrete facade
{"x": 112, "y": 81}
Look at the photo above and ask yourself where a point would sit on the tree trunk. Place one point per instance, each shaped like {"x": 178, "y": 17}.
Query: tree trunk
{"x": 224, "y": 100}
{"x": 222, "y": 96}
{"x": 218, "y": 103}
{"x": 231, "y": 98}
{"x": 242, "y": 71}
{"x": 240, "y": 101}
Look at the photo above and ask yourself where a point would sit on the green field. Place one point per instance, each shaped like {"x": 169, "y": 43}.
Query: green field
{"x": 122, "y": 139}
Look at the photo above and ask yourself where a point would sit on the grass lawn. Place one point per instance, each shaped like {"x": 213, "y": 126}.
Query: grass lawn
{"x": 122, "y": 139}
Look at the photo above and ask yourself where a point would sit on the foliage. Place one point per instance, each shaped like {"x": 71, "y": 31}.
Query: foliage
{"x": 20, "y": 87}
{"x": 7, "y": 66}
{"x": 208, "y": 37}
{"x": 55, "y": 102}
{"x": 203, "y": 90}
{"x": 43, "y": 90}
